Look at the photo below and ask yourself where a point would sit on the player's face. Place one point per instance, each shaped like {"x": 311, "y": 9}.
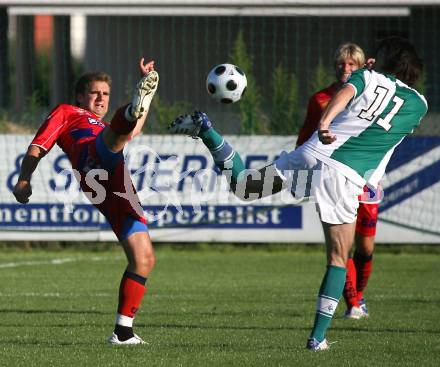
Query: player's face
{"x": 96, "y": 98}
{"x": 344, "y": 68}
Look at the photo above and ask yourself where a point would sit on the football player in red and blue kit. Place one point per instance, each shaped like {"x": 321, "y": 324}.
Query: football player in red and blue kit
{"x": 348, "y": 58}
{"x": 94, "y": 149}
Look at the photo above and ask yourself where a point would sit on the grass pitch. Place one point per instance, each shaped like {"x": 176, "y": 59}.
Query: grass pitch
{"x": 218, "y": 306}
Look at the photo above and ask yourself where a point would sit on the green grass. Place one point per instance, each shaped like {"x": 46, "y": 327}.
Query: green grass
{"x": 213, "y": 307}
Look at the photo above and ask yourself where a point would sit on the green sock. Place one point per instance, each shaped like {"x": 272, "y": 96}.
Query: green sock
{"x": 329, "y": 294}
{"x": 224, "y": 155}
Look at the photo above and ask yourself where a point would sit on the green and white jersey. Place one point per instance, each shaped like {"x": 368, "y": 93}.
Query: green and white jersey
{"x": 383, "y": 111}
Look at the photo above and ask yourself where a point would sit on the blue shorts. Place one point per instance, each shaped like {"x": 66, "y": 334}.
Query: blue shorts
{"x": 125, "y": 217}
{"x": 131, "y": 225}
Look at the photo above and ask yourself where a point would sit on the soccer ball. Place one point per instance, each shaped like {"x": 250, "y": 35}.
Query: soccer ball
{"x": 226, "y": 83}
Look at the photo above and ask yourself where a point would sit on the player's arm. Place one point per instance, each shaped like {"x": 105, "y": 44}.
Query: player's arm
{"x": 370, "y": 63}
{"x": 314, "y": 112}
{"x": 23, "y": 189}
{"x": 42, "y": 143}
{"x": 144, "y": 69}
{"x": 337, "y": 104}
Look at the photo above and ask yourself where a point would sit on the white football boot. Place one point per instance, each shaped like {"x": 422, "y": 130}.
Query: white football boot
{"x": 363, "y": 307}
{"x": 113, "y": 340}
{"x": 186, "y": 125}
{"x": 143, "y": 95}
{"x": 354, "y": 313}
{"x": 190, "y": 124}
{"x": 313, "y": 344}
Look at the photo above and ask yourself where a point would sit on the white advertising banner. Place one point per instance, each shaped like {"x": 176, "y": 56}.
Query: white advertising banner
{"x": 186, "y": 199}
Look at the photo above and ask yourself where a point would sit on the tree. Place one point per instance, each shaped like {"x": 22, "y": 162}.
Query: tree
{"x": 250, "y": 105}
{"x": 165, "y": 113}
{"x": 4, "y": 58}
{"x": 285, "y": 104}
{"x": 420, "y": 85}
{"x": 321, "y": 78}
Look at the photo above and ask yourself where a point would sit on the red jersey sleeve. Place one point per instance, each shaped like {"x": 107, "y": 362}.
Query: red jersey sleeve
{"x": 317, "y": 104}
{"x": 314, "y": 112}
{"x": 50, "y": 130}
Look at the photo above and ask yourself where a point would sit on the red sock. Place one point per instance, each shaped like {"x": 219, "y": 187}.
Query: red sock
{"x": 131, "y": 293}
{"x": 350, "y": 294}
{"x": 364, "y": 266}
{"x": 119, "y": 124}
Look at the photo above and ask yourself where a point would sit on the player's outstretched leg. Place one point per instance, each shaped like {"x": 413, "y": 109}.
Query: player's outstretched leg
{"x": 246, "y": 184}
{"x": 198, "y": 125}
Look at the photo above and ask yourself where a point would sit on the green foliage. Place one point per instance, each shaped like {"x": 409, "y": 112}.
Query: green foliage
{"x": 36, "y": 105}
{"x": 43, "y": 71}
{"x": 164, "y": 114}
{"x": 251, "y": 118}
{"x": 420, "y": 85}
{"x": 285, "y": 103}
{"x": 34, "y": 109}
{"x": 321, "y": 78}
{"x": 77, "y": 70}
{"x": 3, "y": 122}
{"x": 12, "y": 80}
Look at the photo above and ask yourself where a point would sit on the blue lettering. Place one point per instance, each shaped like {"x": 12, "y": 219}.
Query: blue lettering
{"x": 191, "y": 172}
{"x": 255, "y": 158}
{"x": 58, "y": 168}
{"x": 140, "y": 173}
{"x": 213, "y": 180}
{"x": 16, "y": 172}
{"x": 158, "y": 171}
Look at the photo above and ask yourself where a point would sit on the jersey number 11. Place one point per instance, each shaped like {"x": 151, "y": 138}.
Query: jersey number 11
{"x": 371, "y": 112}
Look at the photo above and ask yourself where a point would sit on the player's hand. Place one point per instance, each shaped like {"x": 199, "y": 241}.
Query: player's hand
{"x": 145, "y": 68}
{"x": 370, "y": 62}
{"x": 326, "y": 137}
{"x": 22, "y": 191}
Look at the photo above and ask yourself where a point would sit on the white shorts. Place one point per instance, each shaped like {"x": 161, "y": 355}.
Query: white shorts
{"x": 336, "y": 197}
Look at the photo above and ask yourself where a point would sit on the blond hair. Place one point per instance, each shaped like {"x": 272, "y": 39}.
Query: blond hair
{"x": 352, "y": 51}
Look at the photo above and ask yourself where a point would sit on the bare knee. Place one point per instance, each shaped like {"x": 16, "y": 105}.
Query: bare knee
{"x": 147, "y": 261}
{"x": 143, "y": 262}
{"x": 140, "y": 254}
{"x": 364, "y": 244}
{"x": 337, "y": 258}
{"x": 339, "y": 238}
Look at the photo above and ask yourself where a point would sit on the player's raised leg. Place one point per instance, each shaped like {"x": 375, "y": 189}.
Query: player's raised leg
{"x": 129, "y": 119}
{"x": 243, "y": 182}
{"x": 198, "y": 125}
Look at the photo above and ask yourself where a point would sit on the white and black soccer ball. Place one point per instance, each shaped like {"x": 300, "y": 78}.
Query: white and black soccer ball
{"x": 226, "y": 83}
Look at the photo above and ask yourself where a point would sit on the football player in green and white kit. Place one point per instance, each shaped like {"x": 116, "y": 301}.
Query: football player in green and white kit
{"x": 358, "y": 132}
